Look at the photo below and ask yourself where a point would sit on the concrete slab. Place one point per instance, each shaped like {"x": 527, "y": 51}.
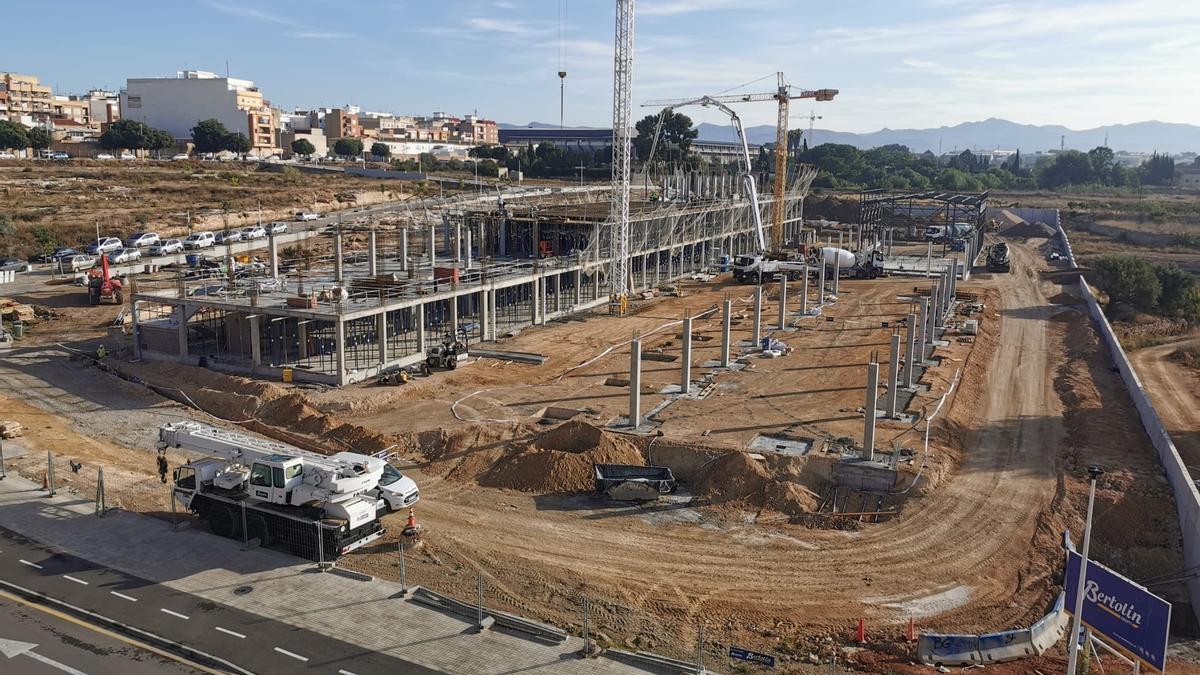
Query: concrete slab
{"x": 795, "y": 447}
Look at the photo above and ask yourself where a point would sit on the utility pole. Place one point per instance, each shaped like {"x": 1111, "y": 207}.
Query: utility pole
{"x": 1094, "y": 473}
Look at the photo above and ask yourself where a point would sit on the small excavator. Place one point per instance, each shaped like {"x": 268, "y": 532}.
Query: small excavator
{"x": 103, "y": 288}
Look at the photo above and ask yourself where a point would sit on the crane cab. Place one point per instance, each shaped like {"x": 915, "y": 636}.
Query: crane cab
{"x": 273, "y": 477}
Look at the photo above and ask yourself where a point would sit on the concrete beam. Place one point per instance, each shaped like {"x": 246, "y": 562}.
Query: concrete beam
{"x": 337, "y": 257}
{"x": 869, "y": 411}
{"x": 726, "y": 316}
{"x": 635, "y": 383}
{"x": 893, "y": 376}
{"x": 685, "y": 375}
{"x": 923, "y": 337}
{"x": 756, "y": 334}
{"x": 273, "y": 255}
{"x": 782, "y": 301}
{"x": 404, "y": 250}
{"x": 372, "y": 254}
{"x": 804, "y": 292}
{"x": 909, "y": 349}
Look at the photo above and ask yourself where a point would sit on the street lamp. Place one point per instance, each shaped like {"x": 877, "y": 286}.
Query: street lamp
{"x": 1094, "y": 473}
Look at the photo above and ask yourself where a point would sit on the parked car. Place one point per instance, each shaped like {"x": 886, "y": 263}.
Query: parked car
{"x": 141, "y": 239}
{"x": 58, "y": 254}
{"x": 278, "y": 227}
{"x": 166, "y": 247}
{"x": 7, "y": 155}
{"x": 128, "y": 155}
{"x": 59, "y": 156}
{"x": 253, "y": 232}
{"x": 229, "y": 236}
{"x": 14, "y": 265}
{"x": 104, "y": 245}
{"x": 305, "y": 216}
{"x": 104, "y": 155}
{"x": 124, "y": 256}
{"x": 181, "y": 156}
{"x": 75, "y": 263}
{"x": 198, "y": 240}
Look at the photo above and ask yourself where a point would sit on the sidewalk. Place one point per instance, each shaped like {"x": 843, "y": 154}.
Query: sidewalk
{"x": 362, "y": 613}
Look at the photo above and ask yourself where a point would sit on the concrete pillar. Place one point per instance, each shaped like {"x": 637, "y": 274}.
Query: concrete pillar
{"x": 273, "y": 255}
{"x": 685, "y": 374}
{"x": 181, "y": 324}
{"x": 404, "y": 250}
{"x": 725, "y": 319}
{"x": 302, "y": 338}
{"x": 804, "y": 292}
{"x": 821, "y": 289}
{"x": 458, "y": 242}
{"x": 453, "y": 302}
{"x": 255, "y": 341}
{"x": 420, "y": 321}
{"x": 893, "y": 376}
{"x": 534, "y": 298}
{"x": 492, "y": 303}
{"x": 381, "y": 335}
{"x": 939, "y": 296}
{"x": 756, "y": 334}
{"x": 909, "y": 350}
{"x": 840, "y": 233}
{"x": 782, "y": 302}
{"x": 577, "y": 279}
{"x": 467, "y": 254}
{"x": 869, "y": 411}
{"x": 535, "y": 238}
{"x": 837, "y": 273}
{"x": 337, "y": 256}
{"x": 923, "y": 337}
{"x": 432, "y": 249}
{"x": 929, "y": 260}
{"x": 483, "y": 315}
{"x": 137, "y": 333}
{"x": 543, "y": 304}
{"x": 339, "y": 334}
{"x": 558, "y": 293}
{"x": 635, "y": 383}
{"x": 372, "y": 254}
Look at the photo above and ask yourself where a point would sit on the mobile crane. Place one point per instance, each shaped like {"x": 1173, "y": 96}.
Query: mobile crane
{"x": 305, "y": 501}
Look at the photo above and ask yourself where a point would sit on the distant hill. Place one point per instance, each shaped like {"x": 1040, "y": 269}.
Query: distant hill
{"x": 995, "y": 133}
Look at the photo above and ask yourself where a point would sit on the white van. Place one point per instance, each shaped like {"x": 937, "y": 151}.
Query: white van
{"x": 198, "y": 240}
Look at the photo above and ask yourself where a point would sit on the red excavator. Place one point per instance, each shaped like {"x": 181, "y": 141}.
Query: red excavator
{"x": 104, "y": 288}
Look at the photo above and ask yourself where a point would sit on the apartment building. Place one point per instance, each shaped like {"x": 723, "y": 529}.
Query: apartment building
{"x": 24, "y": 99}
{"x": 176, "y": 104}
{"x": 476, "y": 131}
{"x": 68, "y": 108}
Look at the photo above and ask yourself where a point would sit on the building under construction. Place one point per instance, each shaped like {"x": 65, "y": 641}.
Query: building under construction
{"x": 374, "y": 296}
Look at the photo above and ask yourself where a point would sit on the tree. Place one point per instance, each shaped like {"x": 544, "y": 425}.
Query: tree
{"x": 1128, "y": 279}
{"x": 1158, "y": 170}
{"x": 348, "y": 147}
{"x": 236, "y": 143}
{"x": 302, "y": 146}
{"x": 1101, "y": 159}
{"x": 13, "y": 136}
{"x": 381, "y": 150}
{"x": 209, "y": 136}
{"x": 1179, "y": 289}
{"x": 160, "y": 140}
{"x": 1068, "y": 168}
{"x": 677, "y": 135}
{"x": 126, "y": 135}
{"x": 39, "y": 138}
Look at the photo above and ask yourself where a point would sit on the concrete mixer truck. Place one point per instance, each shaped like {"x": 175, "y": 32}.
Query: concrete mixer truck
{"x": 865, "y": 264}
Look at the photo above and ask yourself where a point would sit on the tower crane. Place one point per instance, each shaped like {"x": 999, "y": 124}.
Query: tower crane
{"x": 622, "y": 136}
{"x": 783, "y": 95}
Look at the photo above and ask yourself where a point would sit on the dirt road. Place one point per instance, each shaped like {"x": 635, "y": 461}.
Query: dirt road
{"x": 1175, "y": 391}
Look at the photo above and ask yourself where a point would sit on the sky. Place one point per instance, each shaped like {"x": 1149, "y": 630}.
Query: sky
{"x": 907, "y": 64}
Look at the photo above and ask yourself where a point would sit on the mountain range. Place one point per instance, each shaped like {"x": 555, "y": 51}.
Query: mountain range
{"x": 995, "y": 134}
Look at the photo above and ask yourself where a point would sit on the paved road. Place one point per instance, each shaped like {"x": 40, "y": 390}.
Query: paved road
{"x": 247, "y": 641}
{"x": 36, "y": 642}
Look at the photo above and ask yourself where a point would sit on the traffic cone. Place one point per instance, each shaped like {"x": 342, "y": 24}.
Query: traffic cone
{"x": 910, "y": 633}
{"x": 860, "y": 635}
{"x": 412, "y": 519}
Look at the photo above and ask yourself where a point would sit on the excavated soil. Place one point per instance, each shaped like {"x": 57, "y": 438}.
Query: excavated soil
{"x": 739, "y": 480}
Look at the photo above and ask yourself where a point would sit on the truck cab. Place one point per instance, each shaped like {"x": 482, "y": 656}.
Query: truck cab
{"x": 272, "y": 478}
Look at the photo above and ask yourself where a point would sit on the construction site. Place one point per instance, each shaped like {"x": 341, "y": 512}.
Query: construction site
{"x": 667, "y": 423}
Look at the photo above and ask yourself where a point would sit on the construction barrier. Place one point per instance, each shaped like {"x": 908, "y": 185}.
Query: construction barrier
{"x": 949, "y": 650}
{"x": 1187, "y": 498}
{"x": 1051, "y": 628}
{"x": 1007, "y": 646}
{"x": 7, "y": 276}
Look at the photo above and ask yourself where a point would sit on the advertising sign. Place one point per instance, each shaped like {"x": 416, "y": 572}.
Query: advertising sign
{"x": 1132, "y": 618}
{"x": 754, "y": 657}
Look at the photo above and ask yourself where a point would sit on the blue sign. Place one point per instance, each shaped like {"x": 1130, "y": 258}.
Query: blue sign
{"x": 753, "y": 657}
{"x": 1132, "y": 618}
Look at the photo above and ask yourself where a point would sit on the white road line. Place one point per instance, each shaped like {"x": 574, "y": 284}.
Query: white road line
{"x": 123, "y": 596}
{"x": 167, "y": 611}
{"x": 346, "y": 672}
{"x": 229, "y": 632}
{"x": 291, "y": 654}
{"x": 34, "y": 565}
{"x": 78, "y": 581}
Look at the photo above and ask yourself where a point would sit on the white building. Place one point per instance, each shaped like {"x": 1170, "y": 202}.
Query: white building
{"x": 176, "y": 104}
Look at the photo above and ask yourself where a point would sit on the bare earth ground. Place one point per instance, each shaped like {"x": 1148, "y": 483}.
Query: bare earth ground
{"x": 1175, "y": 390}
{"x": 974, "y": 547}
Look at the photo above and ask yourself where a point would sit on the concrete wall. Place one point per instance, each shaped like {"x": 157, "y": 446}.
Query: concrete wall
{"x": 1187, "y": 498}
{"x": 176, "y": 105}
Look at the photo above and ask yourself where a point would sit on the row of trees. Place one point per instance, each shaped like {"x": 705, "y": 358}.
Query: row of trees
{"x": 1162, "y": 288}
{"x": 211, "y": 136}
{"x": 134, "y": 135}
{"x": 15, "y": 136}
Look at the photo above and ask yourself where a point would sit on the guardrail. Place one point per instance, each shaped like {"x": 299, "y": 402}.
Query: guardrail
{"x": 966, "y": 650}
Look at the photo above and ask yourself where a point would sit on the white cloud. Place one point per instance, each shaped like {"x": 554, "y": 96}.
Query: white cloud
{"x": 677, "y": 7}
{"x": 252, "y": 13}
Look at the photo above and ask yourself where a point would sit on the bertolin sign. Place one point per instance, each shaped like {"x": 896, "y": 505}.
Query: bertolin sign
{"x": 1132, "y": 618}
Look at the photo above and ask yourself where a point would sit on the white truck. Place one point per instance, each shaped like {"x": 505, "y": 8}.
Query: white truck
{"x": 756, "y": 268}
{"x": 318, "y": 507}
{"x": 866, "y": 264}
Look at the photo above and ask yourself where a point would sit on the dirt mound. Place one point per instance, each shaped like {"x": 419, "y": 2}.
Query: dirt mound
{"x": 1189, "y": 357}
{"x": 736, "y": 479}
{"x": 1027, "y": 230}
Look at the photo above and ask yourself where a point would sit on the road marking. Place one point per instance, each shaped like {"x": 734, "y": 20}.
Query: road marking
{"x": 229, "y": 632}
{"x": 14, "y": 648}
{"x": 346, "y": 672}
{"x": 78, "y": 581}
{"x": 35, "y": 565}
{"x": 167, "y": 611}
{"x": 291, "y": 654}
{"x": 123, "y": 596}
